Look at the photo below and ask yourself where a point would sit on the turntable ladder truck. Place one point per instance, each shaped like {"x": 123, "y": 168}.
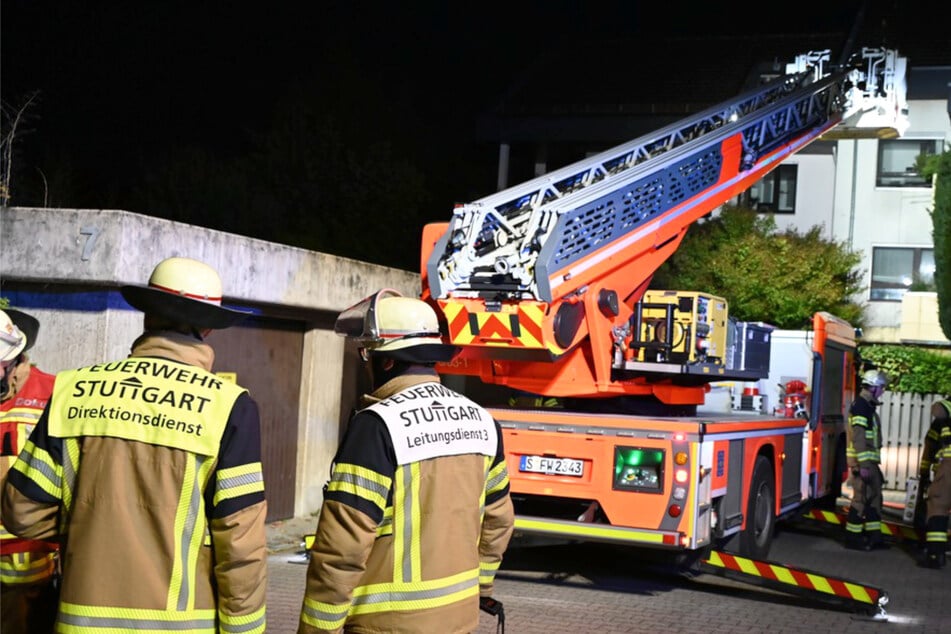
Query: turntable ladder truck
{"x": 544, "y": 287}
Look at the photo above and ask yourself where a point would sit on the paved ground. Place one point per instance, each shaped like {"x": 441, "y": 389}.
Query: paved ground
{"x": 590, "y": 588}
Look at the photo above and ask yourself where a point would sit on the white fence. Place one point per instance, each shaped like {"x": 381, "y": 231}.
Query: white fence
{"x": 905, "y": 421}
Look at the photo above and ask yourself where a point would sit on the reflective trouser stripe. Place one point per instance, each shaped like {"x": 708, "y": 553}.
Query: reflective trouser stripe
{"x": 487, "y": 572}
{"x": 324, "y": 616}
{"x": 254, "y": 623}
{"x": 936, "y": 536}
{"x": 86, "y": 619}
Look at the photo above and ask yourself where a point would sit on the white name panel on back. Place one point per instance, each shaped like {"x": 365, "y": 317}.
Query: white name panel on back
{"x": 430, "y": 421}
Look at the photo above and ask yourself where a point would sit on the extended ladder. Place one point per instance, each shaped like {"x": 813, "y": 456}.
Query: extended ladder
{"x": 511, "y": 243}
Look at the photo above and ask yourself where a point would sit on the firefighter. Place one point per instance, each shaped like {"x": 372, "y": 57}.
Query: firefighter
{"x": 417, "y": 514}
{"x": 28, "y": 593}
{"x": 149, "y": 467}
{"x": 936, "y": 458}
{"x": 863, "y": 527}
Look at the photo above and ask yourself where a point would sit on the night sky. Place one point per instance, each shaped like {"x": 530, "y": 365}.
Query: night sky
{"x": 121, "y": 85}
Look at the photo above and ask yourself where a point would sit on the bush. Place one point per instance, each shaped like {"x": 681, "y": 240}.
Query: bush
{"x": 780, "y": 277}
{"x": 911, "y": 369}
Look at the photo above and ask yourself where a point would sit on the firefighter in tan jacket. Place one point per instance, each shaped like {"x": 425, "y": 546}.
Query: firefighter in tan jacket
{"x": 417, "y": 513}
{"x": 149, "y": 470}
{"x": 863, "y": 526}
{"x": 936, "y": 459}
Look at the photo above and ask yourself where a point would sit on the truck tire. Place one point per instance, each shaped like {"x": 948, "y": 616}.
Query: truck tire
{"x": 757, "y": 537}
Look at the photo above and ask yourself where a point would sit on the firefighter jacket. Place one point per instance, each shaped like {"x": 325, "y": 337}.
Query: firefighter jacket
{"x": 416, "y": 516}
{"x": 23, "y": 561}
{"x": 937, "y": 444}
{"x": 865, "y": 433}
{"x": 149, "y": 469}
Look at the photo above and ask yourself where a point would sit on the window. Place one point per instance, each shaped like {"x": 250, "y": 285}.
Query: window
{"x": 775, "y": 192}
{"x": 896, "y": 269}
{"x": 896, "y": 162}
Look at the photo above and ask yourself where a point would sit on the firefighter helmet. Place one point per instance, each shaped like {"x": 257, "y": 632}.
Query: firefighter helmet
{"x": 12, "y": 339}
{"x": 874, "y": 378}
{"x": 28, "y": 325}
{"x": 184, "y": 291}
{"x": 400, "y": 327}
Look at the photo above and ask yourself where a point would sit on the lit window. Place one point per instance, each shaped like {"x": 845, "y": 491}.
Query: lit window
{"x": 897, "y": 270}
{"x": 896, "y": 162}
{"x": 775, "y": 192}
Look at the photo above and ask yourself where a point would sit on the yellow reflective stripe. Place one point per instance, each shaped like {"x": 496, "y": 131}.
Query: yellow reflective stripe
{"x": 179, "y": 559}
{"x": 588, "y": 530}
{"x": 22, "y": 415}
{"x": 858, "y": 420}
{"x": 70, "y": 469}
{"x": 87, "y": 619}
{"x": 487, "y": 571}
{"x": 416, "y": 521}
{"x": 26, "y": 567}
{"x": 252, "y": 623}
{"x": 37, "y": 465}
{"x": 498, "y": 478}
{"x": 418, "y": 595}
{"x": 324, "y": 616}
{"x": 399, "y": 515}
{"x": 361, "y": 482}
{"x": 820, "y": 583}
{"x": 198, "y": 535}
{"x": 936, "y": 536}
{"x": 190, "y": 531}
{"x": 406, "y": 522}
{"x": 386, "y": 524}
{"x": 237, "y": 481}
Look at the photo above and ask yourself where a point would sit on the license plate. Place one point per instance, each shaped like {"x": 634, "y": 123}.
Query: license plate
{"x": 552, "y": 466}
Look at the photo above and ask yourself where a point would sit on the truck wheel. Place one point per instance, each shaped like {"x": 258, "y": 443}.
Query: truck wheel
{"x": 757, "y": 537}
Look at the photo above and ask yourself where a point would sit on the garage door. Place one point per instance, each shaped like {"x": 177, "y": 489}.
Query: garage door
{"x": 265, "y": 355}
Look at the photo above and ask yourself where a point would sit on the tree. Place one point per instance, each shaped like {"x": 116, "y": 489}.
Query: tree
{"x": 779, "y": 277}
{"x": 938, "y": 168}
{"x": 12, "y": 117}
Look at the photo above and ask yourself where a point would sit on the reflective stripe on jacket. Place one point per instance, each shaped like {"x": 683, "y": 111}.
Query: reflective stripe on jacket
{"x": 865, "y": 433}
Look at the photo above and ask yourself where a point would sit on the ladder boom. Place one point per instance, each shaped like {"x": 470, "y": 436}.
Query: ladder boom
{"x": 550, "y": 270}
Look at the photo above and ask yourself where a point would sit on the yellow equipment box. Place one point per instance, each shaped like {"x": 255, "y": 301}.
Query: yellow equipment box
{"x": 682, "y": 327}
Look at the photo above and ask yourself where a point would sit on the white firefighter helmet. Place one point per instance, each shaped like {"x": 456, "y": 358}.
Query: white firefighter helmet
{"x": 874, "y": 378}
{"x": 400, "y": 327}
{"x": 12, "y": 339}
{"x": 186, "y": 291}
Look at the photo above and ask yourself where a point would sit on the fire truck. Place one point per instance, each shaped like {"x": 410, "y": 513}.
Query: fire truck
{"x": 545, "y": 287}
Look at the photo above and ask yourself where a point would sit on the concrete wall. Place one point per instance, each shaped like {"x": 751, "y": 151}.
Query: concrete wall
{"x": 78, "y": 258}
